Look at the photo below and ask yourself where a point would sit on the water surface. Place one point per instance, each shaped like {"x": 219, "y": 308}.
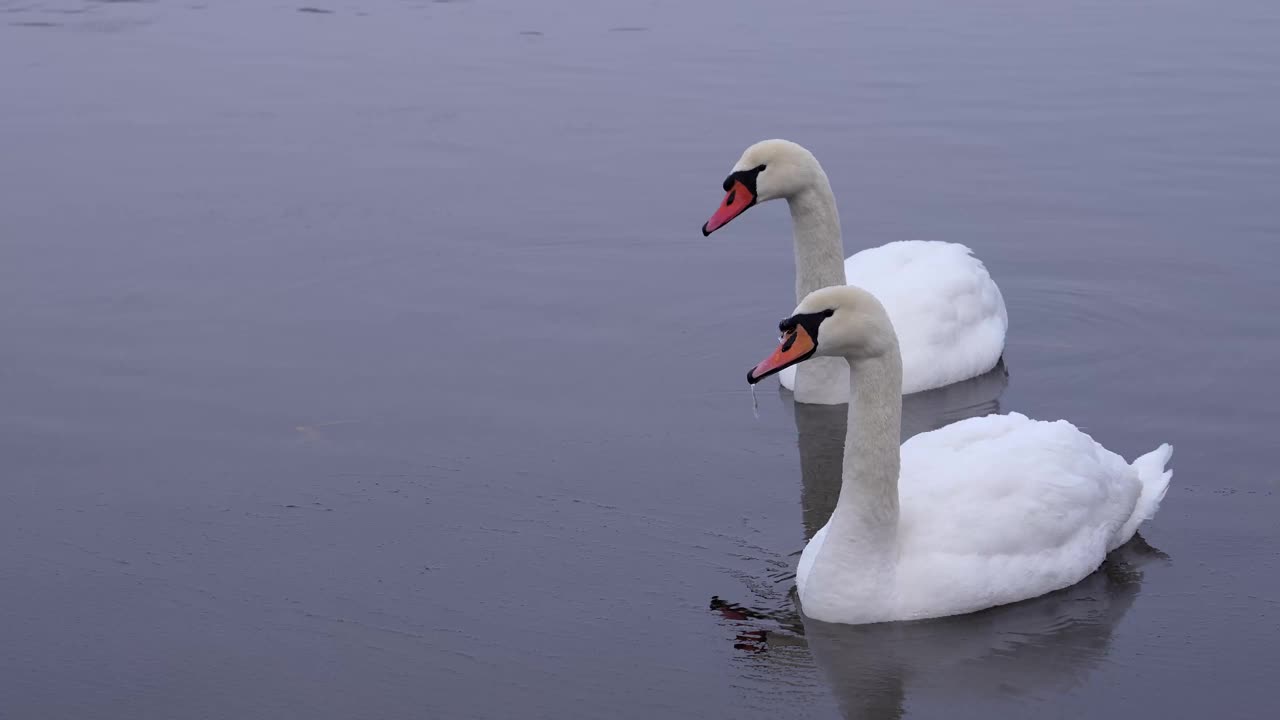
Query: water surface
{"x": 365, "y": 359}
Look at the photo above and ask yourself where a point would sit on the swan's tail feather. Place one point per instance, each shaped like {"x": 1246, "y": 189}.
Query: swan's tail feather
{"x": 1155, "y": 483}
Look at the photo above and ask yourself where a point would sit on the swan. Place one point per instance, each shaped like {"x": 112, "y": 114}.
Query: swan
{"x": 949, "y": 314}
{"x": 983, "y": 512}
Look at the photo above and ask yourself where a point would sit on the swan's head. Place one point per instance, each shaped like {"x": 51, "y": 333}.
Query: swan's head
{"x": 840, "y": 321}
{"x": 768, "y": 170}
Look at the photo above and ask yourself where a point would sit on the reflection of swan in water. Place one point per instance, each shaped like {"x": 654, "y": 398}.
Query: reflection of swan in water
{"x": 821, "y": 430}
{"x": 975, "y": 397}
{"x": 1043, "y": 645}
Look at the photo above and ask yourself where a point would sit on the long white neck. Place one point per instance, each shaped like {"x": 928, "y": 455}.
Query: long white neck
{"x": 815, "y": 226}
{"x": 855, "y": 565}
{"x": 868, "y": 502}
{"x": 819, "y": 263}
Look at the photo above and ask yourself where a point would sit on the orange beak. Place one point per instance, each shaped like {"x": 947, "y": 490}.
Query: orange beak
{"x": 738, "y": 199}
{"x": 797, "y": 345}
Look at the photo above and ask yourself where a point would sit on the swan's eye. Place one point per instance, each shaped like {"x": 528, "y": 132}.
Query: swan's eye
{"x": 791, "y": 340}
{"x": 828, "y": 313}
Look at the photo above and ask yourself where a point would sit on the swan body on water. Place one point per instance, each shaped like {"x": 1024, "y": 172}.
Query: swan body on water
{"x": 980, "y": 513}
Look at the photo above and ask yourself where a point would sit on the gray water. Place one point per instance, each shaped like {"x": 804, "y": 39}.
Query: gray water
{"x": 370, "y": 362}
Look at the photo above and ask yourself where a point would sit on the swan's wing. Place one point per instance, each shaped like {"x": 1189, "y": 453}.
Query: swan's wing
{"x": 807, "y": 557}
{"x": 947, "y": 311}
{"x": 1004, "y": 490}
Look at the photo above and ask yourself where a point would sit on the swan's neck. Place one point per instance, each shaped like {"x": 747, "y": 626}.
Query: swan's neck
{"x": 868, "y": 504}
{"x": 819, "y": 263}
{"x": 815, "y": 226}
{"x": 856, "y": 563}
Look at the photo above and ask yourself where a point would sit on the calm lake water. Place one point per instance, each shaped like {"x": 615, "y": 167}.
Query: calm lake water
{"x": 366, "y": 360}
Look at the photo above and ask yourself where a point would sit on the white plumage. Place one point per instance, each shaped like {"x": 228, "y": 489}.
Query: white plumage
{"x": 998, "y": 509}
{"x": 948, "y": 312}
{"x": 980, "y": 513}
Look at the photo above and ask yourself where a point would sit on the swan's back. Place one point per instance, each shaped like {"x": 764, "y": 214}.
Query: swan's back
{"x": 1003, "y": 508}
{"x": 949, "y": 314}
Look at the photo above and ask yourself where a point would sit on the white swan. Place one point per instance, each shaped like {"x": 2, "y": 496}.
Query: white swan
{"x": 980, "y": 513}
{"x": 948, "y": 312}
